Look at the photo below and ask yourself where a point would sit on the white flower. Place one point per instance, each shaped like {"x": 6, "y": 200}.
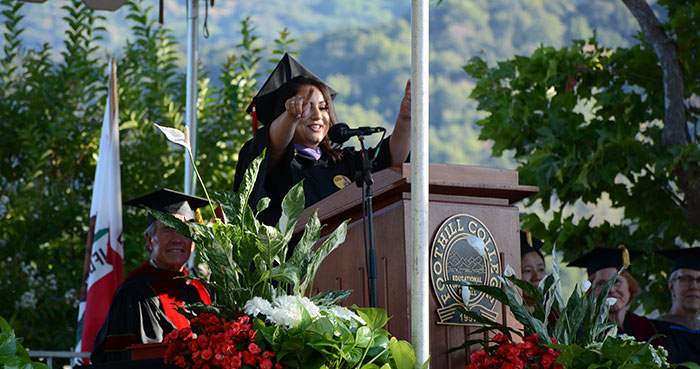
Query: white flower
{"x": 585, "y": 286}
{"x": 659, "y": 355}
{"x": 175, "y": 136}
{"x": 310, "y": 307}
{"x": 257, "y": 305}
{"x": 342, "y": 313}
{"x": 70, "y": 297}
{"x": 477, "y": 244}
{"x": 51, "y": 281}
{"x": 610, "y": 301}
{"x": 285, "y": 310}
{"x": 28, "y": 300}
{"x": 509, "y": 272}
{"x": 466, "y": 295}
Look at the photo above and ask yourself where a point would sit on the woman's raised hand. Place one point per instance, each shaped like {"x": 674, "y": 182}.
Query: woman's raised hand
{"x": 298, "y": 106}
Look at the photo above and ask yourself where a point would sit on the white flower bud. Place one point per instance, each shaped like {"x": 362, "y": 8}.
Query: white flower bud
{"x": 509, "y": 272}
{"x": 477, "y": 244}
{"x": 466, "y": 295}
{"x": 585, "y": 285}
{"x": 610, "y": 301}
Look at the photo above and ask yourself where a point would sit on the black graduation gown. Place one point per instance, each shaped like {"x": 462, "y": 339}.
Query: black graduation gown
{"x": 683, "y": 344}
{"x": 143, "y": 311}
{"x": 321, "y": 177}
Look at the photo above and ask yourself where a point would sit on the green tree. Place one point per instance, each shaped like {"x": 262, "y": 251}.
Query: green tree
{"x": 586, "y": 122}
{"x": 51, "y": 108}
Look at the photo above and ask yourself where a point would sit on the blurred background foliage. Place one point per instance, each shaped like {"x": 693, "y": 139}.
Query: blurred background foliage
{"x": 53, "y": 82}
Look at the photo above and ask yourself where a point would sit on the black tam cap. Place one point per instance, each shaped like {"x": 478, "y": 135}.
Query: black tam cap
{"x": 601, "y": 258}
{"x": 169, "y": 201}
{"x": 529, "y": 244}
{"x": 267, "y": 101}
{"x": 688, "y": 258}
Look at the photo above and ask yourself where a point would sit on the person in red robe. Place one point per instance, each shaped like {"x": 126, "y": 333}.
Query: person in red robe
{"x": 144, "y": 308}
{"x": 601, "y": 264}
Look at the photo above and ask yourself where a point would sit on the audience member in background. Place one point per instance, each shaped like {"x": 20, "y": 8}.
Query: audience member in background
{"x": 532, "y": 267}
{"x": 602, "y": 264}
{"x": 680, "y": 326}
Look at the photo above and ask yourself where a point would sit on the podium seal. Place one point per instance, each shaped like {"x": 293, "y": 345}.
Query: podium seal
{"x": 452, "y": 258}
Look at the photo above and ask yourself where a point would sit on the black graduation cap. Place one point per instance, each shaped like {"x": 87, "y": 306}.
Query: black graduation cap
{"x": 688, "y": 258}
{"x": 603, "y": 257}
{"x": 529, "y": 244}
{"x": 169, "y": 201}
{"x": 267, "y": 102}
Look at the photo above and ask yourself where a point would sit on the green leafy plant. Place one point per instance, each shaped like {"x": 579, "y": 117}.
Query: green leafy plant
{"x": 255, "y": 271}
{"x": 582, "y": 335}
{"x": 12, "y": 354}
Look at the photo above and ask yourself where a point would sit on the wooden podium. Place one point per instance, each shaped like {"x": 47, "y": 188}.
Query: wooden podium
{"x": 479, "y": 196}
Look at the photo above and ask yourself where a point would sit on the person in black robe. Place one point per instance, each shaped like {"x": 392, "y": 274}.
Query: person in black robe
{"x": 680, "y": 326}
{"x": 601, "y": 265}
{"x": 143, "y": 310}
{"x": 296, "y": 108}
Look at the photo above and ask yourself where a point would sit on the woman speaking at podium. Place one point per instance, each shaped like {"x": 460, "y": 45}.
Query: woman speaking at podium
{"x": 296, "y": 110}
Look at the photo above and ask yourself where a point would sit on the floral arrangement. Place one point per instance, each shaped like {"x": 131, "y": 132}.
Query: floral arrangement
{"x": 262, "y": 315}
{"x": 509, "y": 355}
{"x": 219, "y": 344}
{"x": 557, "y": 334}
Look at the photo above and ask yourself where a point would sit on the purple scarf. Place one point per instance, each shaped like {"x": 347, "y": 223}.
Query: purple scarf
{"x": 314, "y": 153}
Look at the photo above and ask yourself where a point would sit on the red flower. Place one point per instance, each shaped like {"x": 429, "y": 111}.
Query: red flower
{"x": 265, "y": 364}
{"x": 253, "y": 349}
{"x": 206, "y": 354}
{"x": 249, "y": 358}
{"x": 236, "y": 362}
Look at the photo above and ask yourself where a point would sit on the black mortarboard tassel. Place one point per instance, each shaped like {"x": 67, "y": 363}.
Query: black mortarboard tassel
{"x": 603, "y": 257}
{"x": 688, "y": 258}
{"x": 529, "y": 244}
{"x": 267, "y": 101}
{"x": 169, "y": 201}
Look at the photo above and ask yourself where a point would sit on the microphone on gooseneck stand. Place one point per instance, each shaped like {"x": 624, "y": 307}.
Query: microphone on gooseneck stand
{"x": 341, "y": 132}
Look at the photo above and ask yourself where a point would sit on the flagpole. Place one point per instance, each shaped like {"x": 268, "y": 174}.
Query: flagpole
{"x": 420, "y": 318}
{"x": 191, "y": 90}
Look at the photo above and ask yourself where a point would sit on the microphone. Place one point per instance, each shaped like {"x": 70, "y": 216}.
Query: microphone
{"x": 340, "y": 132}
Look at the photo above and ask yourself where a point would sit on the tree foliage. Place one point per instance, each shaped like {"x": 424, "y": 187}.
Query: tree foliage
{"x": 51, "y": 110}
{"x": 586, "y": 121}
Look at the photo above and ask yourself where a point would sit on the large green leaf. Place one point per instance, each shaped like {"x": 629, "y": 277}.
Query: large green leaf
{"x": 375, "y": 318}
{"x": 292, "y": 207}
{"x": 403, "y": 355}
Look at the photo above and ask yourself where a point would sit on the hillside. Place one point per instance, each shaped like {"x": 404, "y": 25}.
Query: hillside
{"x": 362, "y": 48}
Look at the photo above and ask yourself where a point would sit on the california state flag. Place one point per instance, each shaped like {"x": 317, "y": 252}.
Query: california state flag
{"x": 104, "y": 254}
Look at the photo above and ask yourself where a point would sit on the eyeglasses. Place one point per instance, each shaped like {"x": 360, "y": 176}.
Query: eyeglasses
{"x": 686, "y": 280}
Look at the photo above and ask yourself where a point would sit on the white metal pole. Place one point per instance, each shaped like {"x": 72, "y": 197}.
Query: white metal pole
{"x": 191, "y": 104}
{"x": 420, "y": 318}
